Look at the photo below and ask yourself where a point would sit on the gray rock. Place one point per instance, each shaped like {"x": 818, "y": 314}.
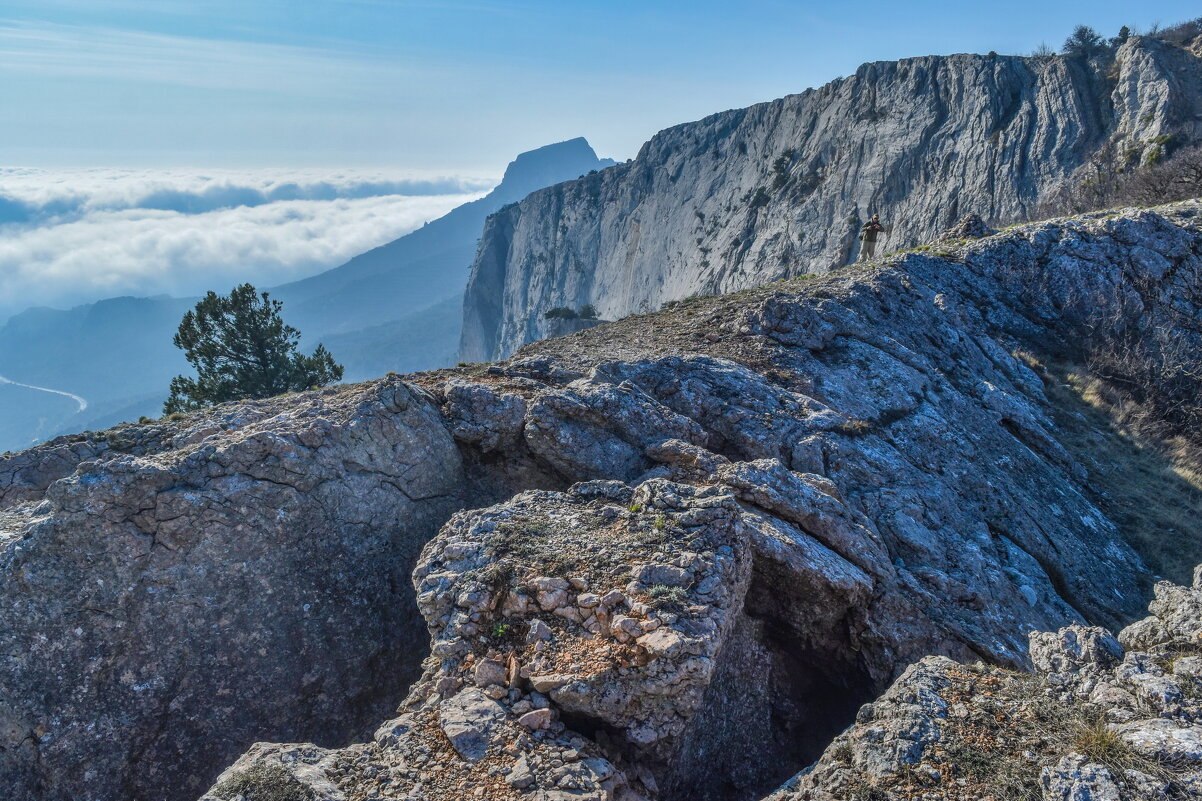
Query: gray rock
{"x": 489, "y": 671}
{"x": 536, "y": 719}
{"x": 970, "y": 227}
{"x": 471, "y": 721}
{"x": 854, "y": 471}
{"x": 1075, "y": 648}
{"x": 780, "y": 189}
{"x": 934, "y": 713}
{"x": 243, "y": 579}
{"x": 519, "y": 775}
{"x": 1166, "y": 741}
{"x": 1075, "y": 778}
{"x": 594, "y": 429}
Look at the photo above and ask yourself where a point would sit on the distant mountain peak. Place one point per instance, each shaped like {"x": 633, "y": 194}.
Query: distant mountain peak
{"x": 551, "y": 164}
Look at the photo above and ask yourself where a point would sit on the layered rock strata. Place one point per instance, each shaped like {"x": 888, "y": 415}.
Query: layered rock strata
{"x": 781, "y": 189}
{"x": 700, "y": 540}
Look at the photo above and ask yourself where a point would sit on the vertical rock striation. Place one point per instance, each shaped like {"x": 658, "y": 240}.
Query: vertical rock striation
{"x": 780, "y": 189}
{"x": 714, "y": 532}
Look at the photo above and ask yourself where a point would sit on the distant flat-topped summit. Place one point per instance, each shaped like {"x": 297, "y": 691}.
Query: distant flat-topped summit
{"x": 549, "y": 165}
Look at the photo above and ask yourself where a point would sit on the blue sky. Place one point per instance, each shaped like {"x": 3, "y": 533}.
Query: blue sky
{"x": 447, "y": 86}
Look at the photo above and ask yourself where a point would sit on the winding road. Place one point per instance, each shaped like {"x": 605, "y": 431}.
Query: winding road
{"x": 83, "y": 403}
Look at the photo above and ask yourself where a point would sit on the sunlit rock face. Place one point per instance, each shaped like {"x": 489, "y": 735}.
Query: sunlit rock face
{"x": 781, "y": 189}
{"x": 664, "y": 558}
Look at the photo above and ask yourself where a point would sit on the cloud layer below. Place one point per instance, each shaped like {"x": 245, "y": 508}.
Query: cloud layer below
{"x": 73, "y": 236}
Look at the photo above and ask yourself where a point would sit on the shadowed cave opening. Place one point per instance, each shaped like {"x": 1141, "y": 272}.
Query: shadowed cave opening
{"x": 775, "y": 704}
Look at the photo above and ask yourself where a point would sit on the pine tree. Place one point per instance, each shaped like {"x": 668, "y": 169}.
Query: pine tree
{"x": 241, "y": 348}
{"x": 1084, "y": 42}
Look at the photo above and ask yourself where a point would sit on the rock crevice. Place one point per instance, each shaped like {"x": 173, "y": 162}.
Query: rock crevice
{"x": 815, "y": 483}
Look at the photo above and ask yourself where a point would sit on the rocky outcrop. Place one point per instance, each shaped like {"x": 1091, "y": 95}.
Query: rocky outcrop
{"x": 692, "y": 543}
{"x": 780, "y": 189}
{"x": 1101, "y": 718}
{"x": 192, "y": 585}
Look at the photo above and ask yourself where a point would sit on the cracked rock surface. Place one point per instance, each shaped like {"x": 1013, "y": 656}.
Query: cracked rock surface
{"x": 675, "y": 553}
{"x": 166, "y": 604}
{"x": 780, "y": 189}
{"x": 1094, "y": 722}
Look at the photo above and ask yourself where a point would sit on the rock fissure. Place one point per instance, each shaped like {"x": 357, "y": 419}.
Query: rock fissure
{"x": 797, "y": 498}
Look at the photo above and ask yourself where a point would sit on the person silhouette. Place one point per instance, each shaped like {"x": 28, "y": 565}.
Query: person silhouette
{"x": 868, "y": 236}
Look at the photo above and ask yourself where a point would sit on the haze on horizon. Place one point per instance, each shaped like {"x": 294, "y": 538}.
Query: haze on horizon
{"x": 453, "y": 87}
{"x": 175, "y": 146}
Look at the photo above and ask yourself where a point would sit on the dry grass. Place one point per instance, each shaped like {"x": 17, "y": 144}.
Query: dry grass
{"x": 1151, "y": 488}
{"x": 1003, "y": 729}
{"x": 262, "y": 782}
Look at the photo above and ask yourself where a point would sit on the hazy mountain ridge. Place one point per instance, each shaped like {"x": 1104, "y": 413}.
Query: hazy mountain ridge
{"x": 780, "y": 189}
{"x": 117, "y": 353}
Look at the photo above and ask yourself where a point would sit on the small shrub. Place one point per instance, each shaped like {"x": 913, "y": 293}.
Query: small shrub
{"x": 1099, "y": 743}
{"x": 669, "y": 599}
{"x": 1084, "y": 42}
{"x": 264, "y": 783}
{"x": 587, "y": 312}
{"x": 854, "y": 428}
{"x": 560, "y": 313}
{"x": 636, "y": 508}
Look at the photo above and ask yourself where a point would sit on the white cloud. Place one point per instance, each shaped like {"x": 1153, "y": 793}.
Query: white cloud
{"x": 107, "y": 244}
{"x": 39, "y": 195}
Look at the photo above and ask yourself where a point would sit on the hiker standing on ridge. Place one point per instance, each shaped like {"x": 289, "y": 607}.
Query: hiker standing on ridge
{"x": 868, "y": 234}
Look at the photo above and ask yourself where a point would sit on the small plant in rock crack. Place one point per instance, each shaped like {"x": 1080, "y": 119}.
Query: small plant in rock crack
{"x": 635, "y": 508}
{"x": 496, "y": 573}
{"x": 669, "y": 599}
{"x": 661, "y": 523}
{"x": 500, "y": 631}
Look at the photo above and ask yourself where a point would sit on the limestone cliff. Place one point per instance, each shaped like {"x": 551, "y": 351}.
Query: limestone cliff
{"x": 689, "y": 544}
{"x": 780, "y": 189}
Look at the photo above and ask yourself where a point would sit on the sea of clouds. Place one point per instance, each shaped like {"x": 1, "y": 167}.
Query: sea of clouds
{"x": 74, "y": 236}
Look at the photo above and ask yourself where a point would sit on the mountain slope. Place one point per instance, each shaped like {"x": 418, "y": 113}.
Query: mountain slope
{"x": 676, "y": 552}
{"x": 117, "y": 353}
{"x": 429, "y": 264}
{"x": 422, "y": 340}
{"x": 780, "y": 189}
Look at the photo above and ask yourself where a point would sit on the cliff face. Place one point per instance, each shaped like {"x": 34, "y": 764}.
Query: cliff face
{"x": 780, "y": 189}
{"x": 714, "y": 531}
